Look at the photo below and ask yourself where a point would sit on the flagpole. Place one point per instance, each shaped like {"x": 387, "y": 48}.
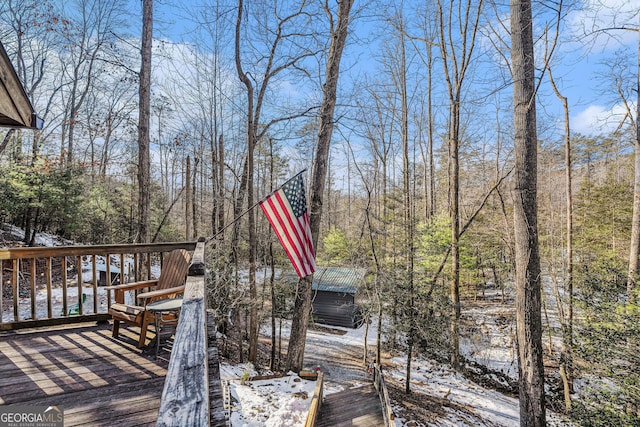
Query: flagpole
{"x": 236, "y": 219}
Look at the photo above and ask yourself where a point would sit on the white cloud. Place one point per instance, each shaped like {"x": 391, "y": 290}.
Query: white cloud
{"x": 597, "y": 119}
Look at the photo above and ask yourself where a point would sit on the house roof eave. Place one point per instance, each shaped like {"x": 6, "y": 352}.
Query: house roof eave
{"x": 16, "y": 110}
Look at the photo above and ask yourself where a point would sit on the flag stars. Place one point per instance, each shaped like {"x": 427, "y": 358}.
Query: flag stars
{"x": 294, "y": 192}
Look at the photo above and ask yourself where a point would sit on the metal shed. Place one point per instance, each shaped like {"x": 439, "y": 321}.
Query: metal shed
{"x": 334, "y": 296}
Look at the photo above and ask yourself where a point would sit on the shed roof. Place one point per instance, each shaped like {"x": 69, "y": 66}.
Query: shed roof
{"x": 16, "y": 110}
{"x": 338, "y": 279}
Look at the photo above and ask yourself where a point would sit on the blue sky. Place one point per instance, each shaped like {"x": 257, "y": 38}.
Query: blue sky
{"x": 578, "y": 65}
{"x": 592, "y": 101}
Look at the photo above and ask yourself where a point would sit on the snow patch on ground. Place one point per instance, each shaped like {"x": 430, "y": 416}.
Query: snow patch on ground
{"x": 440, "y": 381}
{"x": 41, "y": 239}
{"x": 476, "y": 404}
{"x": 270, "y": 402}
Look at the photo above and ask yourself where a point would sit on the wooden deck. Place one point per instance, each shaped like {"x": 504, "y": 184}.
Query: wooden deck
{"x": 353, "y": 407}
{"x": 95, "y": 379}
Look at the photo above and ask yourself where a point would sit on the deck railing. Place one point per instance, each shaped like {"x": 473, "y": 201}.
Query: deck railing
{"x": 53, "y": 285}
{"x": 316, "y": 402}
{"x": 185, "y": 398}
{"x": 381, "y": 387}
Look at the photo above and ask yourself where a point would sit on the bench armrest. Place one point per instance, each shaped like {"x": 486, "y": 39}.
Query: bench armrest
{"x": 134, "y": 285}
{"x": 160, "y": 293}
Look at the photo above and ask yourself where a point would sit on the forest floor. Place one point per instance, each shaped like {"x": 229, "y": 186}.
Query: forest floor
{"x": 440, "y": 396}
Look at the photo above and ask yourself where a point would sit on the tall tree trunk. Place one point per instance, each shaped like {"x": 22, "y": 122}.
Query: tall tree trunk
{"x": 528, "y": 298}
{"x": 407, "y": 199}
{"x": 73, "y": 117}
{"x": 431, "y": 209}
{"x": 248, "y": 186}
{"x": 302, "y": 307}
{"x": 456, "y": 57}
{"x": 144, "y": 164}
{"x": 274, "y": 302}
{"x": 634, "y": 253}
{"x": 253, "y": 289}
{"x": 454, "y": 213}
{"x": 566, "y": 356}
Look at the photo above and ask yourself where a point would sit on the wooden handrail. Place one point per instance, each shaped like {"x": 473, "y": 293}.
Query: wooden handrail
{"x": 58, "y": 251}
{"x": 381, "y": 387}
{"x": 26, "y": 271}
{"x": 185, "y": 397}
{"x": 316, "y": 402}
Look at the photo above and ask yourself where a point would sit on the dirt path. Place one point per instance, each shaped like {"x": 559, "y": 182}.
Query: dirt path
{"x": 341, "y": 363}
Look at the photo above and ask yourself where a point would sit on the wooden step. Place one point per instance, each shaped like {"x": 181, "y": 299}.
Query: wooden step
{"x": 354, "y": 407}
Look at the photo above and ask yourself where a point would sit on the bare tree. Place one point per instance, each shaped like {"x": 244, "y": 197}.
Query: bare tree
{"x": 32, "y": 28}
{"x": 409, "y": 217}
{"x": 85, "y": 42}
{"x": 399, "y": 77}
{"x": 302, "y": 309}
{"x": 428, "y": 38}
{"x": 456, "y": 52}
{"x": 287, "y": 29}
{"x": 566, "y": 316}
{"x": 528, "y": 299}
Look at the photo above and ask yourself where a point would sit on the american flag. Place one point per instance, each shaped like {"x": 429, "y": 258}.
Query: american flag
{"x": 286, "y": 210}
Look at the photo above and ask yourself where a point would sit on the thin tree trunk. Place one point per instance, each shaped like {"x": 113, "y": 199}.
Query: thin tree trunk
{"x": 166, "y": 215}
{"x": 566, "y": 356}
{"x": 408, "y": 217}
{"x": 274, "y": 301}
{"x": 188, "y": 204}
{"x": 432, "y": 180}
{"x": 248, "y": 180}
{"x": 528, "y": 298}
{"x": 454, "y": 213}
{"x": 220, "y": 198}
{"x": 194, "y": 199}
{"x": 407, "y": 388}
{"x": 253, "y": 289}
{"x": 376, "y": 284}
{"x": 634, "y": 250}
{"x": 274, "y": 309}
{"x": 456, "y": 58}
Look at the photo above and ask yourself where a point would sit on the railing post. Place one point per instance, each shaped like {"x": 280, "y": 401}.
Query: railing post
{"x": 197, "y": 267}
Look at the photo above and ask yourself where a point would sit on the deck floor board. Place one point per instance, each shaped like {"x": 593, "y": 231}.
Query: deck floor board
{"x": 97, "y": 380}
